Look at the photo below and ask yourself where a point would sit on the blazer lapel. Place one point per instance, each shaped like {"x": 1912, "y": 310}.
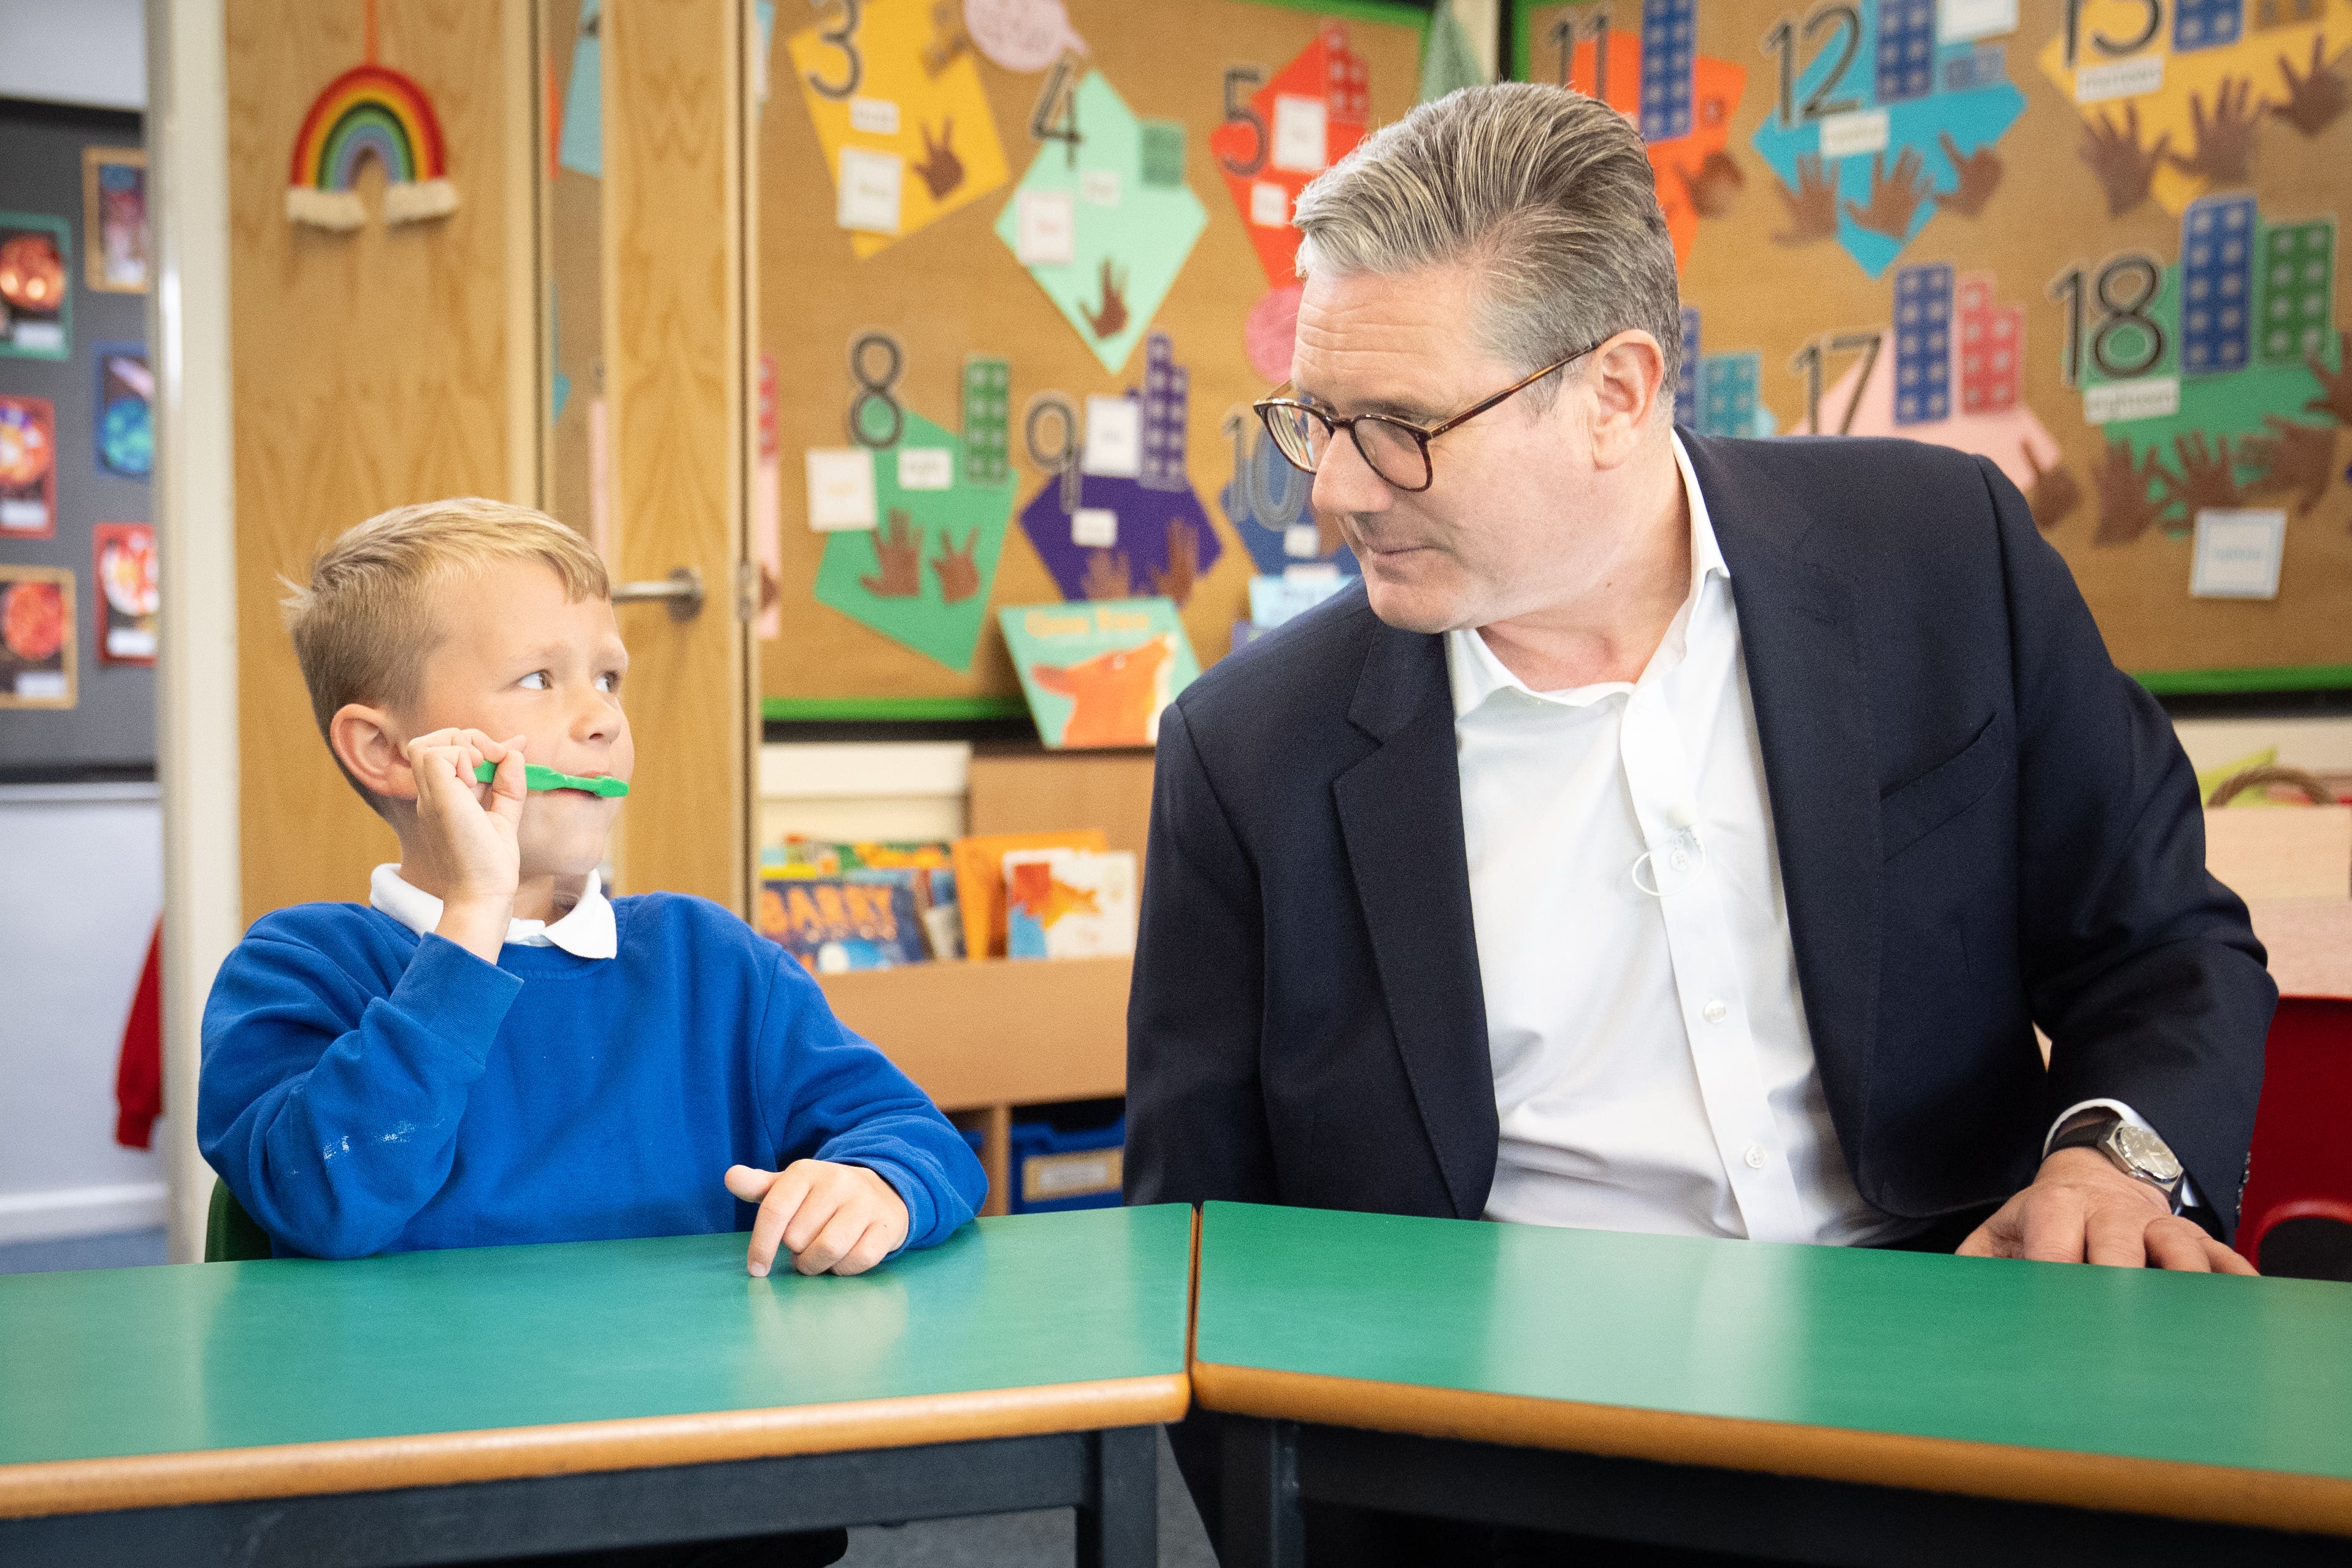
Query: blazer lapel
{"x": 1400, "y": 814}
{"x": 1797, "y": 632}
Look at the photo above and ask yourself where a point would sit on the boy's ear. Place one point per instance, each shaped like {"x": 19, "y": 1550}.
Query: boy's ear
{"x": 367, "y": 742}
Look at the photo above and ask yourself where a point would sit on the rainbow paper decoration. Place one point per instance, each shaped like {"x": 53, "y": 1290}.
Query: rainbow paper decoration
{"x": 369, "y": 110}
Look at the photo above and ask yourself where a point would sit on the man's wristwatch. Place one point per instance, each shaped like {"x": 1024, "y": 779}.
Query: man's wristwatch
{"x": 2135, "y": 1151}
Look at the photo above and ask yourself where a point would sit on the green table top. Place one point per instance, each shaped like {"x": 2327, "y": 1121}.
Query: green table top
{"x": 149, "y": 1362}
{"x": 2206, "y": 1370}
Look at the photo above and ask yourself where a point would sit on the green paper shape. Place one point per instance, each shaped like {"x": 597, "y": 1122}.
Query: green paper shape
{"x": 1162, "y": 155}
{"x": 1144, "y": 239}
{"x": 987, "y": 421}
{"x": 963, "y": 516}
{"x": 538, "y": 778}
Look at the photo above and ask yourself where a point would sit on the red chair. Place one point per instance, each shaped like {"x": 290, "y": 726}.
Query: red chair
{"x": 2297, "y": 1214}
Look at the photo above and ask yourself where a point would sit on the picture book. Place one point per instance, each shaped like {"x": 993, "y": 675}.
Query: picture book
{"x": 861, "y": 920}
{"x": 979, "y": 880}
{"x": 1069, "y": 903}
{"x": 1097, "y": 673}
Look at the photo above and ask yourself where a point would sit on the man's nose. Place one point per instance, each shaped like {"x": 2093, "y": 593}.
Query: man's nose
{"x": 1345, "y": 482}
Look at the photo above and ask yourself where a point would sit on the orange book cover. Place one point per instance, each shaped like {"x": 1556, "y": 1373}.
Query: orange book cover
{"x": 979, "y": 880}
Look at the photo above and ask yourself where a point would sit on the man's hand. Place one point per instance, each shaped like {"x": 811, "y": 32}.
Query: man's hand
{"x": 844, "y": 1218}
{"x": 2081, "y": 1209}
{"x": 465, "y": 843}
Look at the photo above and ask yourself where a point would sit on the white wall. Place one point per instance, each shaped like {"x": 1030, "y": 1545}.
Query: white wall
{"x": 81, "y": 882}
{"x": 74, "y": 51}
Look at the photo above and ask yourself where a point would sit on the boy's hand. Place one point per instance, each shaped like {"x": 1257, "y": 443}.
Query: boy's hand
{"x": 828, "y": 1217}
{"x": 466, "y": 831}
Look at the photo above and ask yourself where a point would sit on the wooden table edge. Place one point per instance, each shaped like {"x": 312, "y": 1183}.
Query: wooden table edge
{"x": 385, "y": 1464}
{"x": 2268, "y": 1499}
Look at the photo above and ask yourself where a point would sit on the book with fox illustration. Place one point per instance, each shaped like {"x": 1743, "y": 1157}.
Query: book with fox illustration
{"x": 1097, "y": 673}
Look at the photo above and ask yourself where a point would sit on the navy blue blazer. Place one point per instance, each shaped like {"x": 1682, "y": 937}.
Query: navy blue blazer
{"x": 1983, "y": 825}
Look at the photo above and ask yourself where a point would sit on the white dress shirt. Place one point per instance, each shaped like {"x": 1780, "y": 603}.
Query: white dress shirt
{"x": 1652, "y": 1066}
{"x": 586, "y": 931}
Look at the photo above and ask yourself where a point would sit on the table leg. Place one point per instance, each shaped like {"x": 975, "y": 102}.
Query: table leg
{"x": 1263, "y": 1527}
{"x": 1121, "y": 1529}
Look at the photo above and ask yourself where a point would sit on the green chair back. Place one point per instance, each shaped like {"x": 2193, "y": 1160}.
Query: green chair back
{"x": 230, "y": 1235}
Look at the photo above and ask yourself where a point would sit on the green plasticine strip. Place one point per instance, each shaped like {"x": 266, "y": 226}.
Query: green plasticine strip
{"x": 536, "y": 777}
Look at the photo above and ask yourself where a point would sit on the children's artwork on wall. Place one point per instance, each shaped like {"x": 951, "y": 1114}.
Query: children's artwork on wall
{"x": 1653, "y": 74}
{"x": 1883, "y": 127}
{"x": 29, "y": 468}
{"x": 580, "y": 146}
{"x": 123, "y": 412}
{"x": 908, "y": 134}
{"x": 37, "y": 636}
{"x": 114, "y": 218}
{"x": 35, "y": 302}
{"x": 1267, "y": 501}
{"x": 369, "y": 112}
{"x": 921, "y": 577}
{"x": 1096, "y": 221}
{"x": 1117, "y": 513}
{"x": 1284, "y": 133}
{"x": 1099, "y": 674}
{"x": 122, "y": 559}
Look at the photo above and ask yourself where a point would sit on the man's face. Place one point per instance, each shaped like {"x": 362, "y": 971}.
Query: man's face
{"x": 517, "y": 657}
{"x": 1499, "y": 532}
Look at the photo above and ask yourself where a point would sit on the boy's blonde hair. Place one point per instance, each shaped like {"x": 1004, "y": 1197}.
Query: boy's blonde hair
{"x": 364, "y": 625}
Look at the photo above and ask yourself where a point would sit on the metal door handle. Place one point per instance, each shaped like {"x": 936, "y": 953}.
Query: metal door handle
{"x": 682, "y": 589}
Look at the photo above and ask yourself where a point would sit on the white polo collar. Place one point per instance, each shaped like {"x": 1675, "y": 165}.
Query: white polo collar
{"x": 585, "y": 932}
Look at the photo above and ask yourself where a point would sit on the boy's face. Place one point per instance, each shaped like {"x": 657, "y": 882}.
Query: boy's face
{"x": 516, "y": 657}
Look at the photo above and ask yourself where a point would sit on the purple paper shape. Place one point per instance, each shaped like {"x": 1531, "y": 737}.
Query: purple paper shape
{"x": 1144, "y": 516}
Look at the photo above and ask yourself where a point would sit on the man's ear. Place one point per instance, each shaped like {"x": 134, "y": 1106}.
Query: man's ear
{"x": 1627, "y": 373}
{"x": 368, "y": 743}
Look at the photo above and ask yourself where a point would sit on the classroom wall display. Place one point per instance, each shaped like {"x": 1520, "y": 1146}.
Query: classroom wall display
{"x": 29, "y": 468}
{"x": 123, "y": 565}
{"x": 114, "y": 218}
{"x": 37, "y": 636}
{"x": 36, "y": 301}
{"x": 2093, "y": 241}
{"x": 124, "y": 440}
{"x": 1017, "y": 330}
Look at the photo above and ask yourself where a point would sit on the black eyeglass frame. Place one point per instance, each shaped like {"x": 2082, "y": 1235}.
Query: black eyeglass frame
{"x": 1421, "y": 435}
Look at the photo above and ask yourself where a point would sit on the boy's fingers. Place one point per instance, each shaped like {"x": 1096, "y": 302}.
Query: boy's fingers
{"x": 777, "y": 1212}
{"x": 871, "y": 1249}
{"x": 835, "y": 1242}
{"x": 747, "y": 1184}
{"x": 824, "y": 1201}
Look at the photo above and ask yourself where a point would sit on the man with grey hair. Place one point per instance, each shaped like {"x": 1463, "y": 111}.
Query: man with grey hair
{"x": 1675, "y": 834}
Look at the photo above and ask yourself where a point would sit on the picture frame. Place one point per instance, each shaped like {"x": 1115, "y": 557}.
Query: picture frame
{"x": 114, "y": 224}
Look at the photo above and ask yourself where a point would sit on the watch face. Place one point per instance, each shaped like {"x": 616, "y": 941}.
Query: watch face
{"x": 2145, "y": 1151}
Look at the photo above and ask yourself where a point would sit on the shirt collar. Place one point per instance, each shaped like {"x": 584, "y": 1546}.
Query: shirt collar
{"x": 586, "y": 931}
{"x": 1476, "y": 673}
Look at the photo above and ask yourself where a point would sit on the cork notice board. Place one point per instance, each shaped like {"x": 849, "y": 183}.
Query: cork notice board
{"x": 981, "y": 227}
{"x": 2107, "y": 261}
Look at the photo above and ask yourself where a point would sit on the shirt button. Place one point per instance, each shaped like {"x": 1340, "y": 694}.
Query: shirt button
{"x": 1679, "y": 860}
{"x": 1716, "y": 1012}
{"x": 1754, "y": 1156}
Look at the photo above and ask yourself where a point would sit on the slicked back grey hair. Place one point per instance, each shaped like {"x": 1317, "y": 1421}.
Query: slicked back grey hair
{"x": 1547, "y": 193}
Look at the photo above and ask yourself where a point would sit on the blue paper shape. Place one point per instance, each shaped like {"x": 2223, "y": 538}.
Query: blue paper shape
{"x": 2217, "y": 285}
{"x": 1974, "y": 118}
{"x": 1923, "y": 344}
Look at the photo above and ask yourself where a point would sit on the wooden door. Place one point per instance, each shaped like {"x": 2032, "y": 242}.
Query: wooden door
{"x": 404, "y": 363}
{"x": 677, "y": 325}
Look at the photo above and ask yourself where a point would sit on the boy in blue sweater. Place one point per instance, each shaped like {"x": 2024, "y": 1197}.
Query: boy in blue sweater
{"x": 493, "y": 1052}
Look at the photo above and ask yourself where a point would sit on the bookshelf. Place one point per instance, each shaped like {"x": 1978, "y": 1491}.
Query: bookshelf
{"x": 986, "y": 1037}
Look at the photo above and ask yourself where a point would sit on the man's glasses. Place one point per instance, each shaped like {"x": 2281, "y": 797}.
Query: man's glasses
{"x": 1396, "y": 449}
